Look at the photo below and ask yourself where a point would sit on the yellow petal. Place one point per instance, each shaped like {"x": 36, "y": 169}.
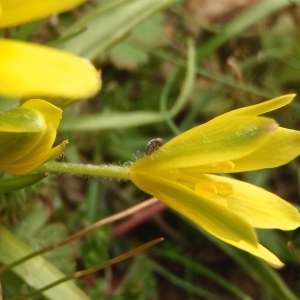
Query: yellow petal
{"x": 211, "y": 143}
{"x": 221, "y": 167}
{"x": 213, "y": 217}
{"x": 282, "y": 147}
{"x": 51, "y": 113}
{"x": 27, "y": 165}
{"x": 258, "y": 109}
{"x": 21, "y": 11}
{"x": 56, "y": 151}
{"x": 29, "y": 71}
{"x": 264, "y": 254}
{"x": 260, "y": 208}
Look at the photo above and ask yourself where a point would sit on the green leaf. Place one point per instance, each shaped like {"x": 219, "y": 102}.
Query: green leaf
{"x": 97, "y": 122}
{"x": 125, "y": 56}
{"x": 108, "y": 25}
{"x": 36, "y": 272}
{"x": 20, "y": 182}
{"x": 34, "y": 231}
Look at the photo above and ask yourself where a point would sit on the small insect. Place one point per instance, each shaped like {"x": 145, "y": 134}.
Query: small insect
{"x": 153, "y": 145}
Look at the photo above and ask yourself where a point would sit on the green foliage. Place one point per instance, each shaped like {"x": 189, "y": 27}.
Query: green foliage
{"x": 94, "y": 248}
{"x": 139, "y": 282}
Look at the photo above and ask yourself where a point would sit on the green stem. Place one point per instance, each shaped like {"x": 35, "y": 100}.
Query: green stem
{"x": 188, "y": 82}
{"x": 111, "y": 171}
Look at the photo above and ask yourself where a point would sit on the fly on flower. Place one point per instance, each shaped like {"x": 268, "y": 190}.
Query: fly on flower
{"x": 183, "y": 175}
{"x": 153, "y": 145}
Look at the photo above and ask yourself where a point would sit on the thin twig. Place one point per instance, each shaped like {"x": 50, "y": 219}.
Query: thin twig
{"x": 91, "y": 270}
{"x": 83, "y": 232}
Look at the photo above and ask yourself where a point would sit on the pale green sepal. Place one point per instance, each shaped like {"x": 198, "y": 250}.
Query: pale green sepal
{"x": 22, "y": 152}
{"x": 22, "y": 119}
{"x": 258, "y": 109}
{"x": 16, "y": 146}
{"x": 258, "y": 207}
{"x": 20, "y": 182}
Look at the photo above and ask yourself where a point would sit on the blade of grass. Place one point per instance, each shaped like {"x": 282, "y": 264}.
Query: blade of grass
{"x": 182, "y": 283}
{"x": 226, "y": 80}
{"x": 185, "y": 91}
{"x": 36, "y": 272}
{"x": 107, "y": 26}
{"x": 196, "y": 267}
{"x": 97, "y": 122}
{"x": 90, "y": 270}
{"x": 188, "y": 82}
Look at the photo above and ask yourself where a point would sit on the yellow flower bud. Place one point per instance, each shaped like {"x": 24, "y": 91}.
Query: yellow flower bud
{"x": 27, "y": 134}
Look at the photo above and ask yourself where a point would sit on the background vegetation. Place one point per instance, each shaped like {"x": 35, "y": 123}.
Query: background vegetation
{"x": 246, "y": 52}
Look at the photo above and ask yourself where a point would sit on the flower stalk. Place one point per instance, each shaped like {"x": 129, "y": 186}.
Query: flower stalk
{"x": 110, "y": 171}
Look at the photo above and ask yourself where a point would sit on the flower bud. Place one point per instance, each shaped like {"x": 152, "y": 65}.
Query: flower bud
{"x": 27, "y": 134}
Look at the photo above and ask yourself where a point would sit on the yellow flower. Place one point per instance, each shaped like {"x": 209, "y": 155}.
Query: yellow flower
{"x": 27, "y": 134}
{"x": 34, "y": 71}
{"x": 21, "y": 11}
{"x": 178, "y": 174}
{"x": 29, "y": 71}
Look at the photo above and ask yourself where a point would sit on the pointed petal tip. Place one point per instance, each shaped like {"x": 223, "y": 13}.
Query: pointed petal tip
{"x": 277, "y": 266}
{"x": 288, "y": 98}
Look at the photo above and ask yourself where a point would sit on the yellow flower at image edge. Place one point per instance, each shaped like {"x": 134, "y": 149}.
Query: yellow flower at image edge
{"x": 34, "y": 71}
{"x": 29, "y": 71}
{"x": 27, "y": 134}
{"x": 17, "y": 12}
{"x": 181, "y": 174}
